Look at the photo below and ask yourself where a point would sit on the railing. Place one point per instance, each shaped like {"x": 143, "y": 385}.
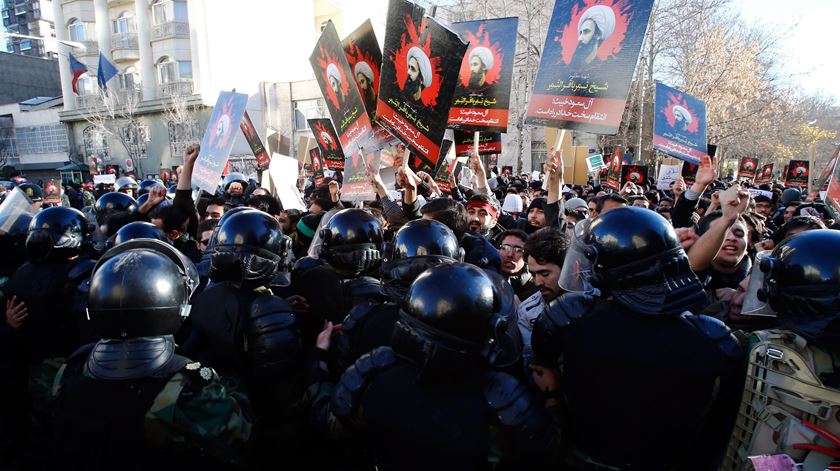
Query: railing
{"x": 91, "y": 49}
{"x": 88, "y": 101}
{"x": 171, "y": 30}
{"x": 182, "y": 88}
{"x": 124, "y": 41}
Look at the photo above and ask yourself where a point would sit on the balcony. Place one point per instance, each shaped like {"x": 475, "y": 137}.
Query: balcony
{"x": 175, "y": 89}
{"x": 171, "y": 30}
{"x": 124, "y": 47}
{"x": 116, "y": 3}
{"x": 91, "y": 50}
{"x": 88, "y": 102}
{"x": 125, "y": 96}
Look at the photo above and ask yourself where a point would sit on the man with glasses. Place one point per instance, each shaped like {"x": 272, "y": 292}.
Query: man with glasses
{"x": 205, "y": 231}
{"x": 512, "y": 252}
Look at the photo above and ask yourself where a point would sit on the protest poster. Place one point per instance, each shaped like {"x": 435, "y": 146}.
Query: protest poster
{"x": 52, "y": 192}
{"x": 356, "y": 185}
{"x": 446, "y": 165}
{"x": 587, "y": 64}
{"x": 765, "y": 175}
{"x": 668, "y": 174}
{"x": 420, "y": 66}
{"x": 821, "y": 183}
{"x": 493, "y": 159}
{"x": 482, "y": 94}
{"x": 254, "y": 142}
{"x": 284, "y": 176}
{"x": 797, "y": 173}
{"x": 679, "y": 124}
{"x": 756, "y": 192}
{"x": 113, "y": 170}
{"x": 832, "y": 194}
{"x": 317, "y": 165}
{"x": 488, "y": 143}
{"x": 747, "y": 168}
{"x": 637, "y": 174}
{"x": 365, "y": 60}
{"x": 689, "y": 172}
{"x": 342, "y": 97}
{"x": 107, "y": 179}
{"x": 614, "y": 172}
{"x": 327, "y": 140}
{"x": 218, "y": 140}
{"x": 594, "y": 163}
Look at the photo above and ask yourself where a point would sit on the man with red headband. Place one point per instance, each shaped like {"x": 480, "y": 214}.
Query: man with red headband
{"x": 483, "y": 216}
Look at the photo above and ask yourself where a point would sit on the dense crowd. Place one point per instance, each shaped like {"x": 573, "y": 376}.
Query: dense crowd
{"x": 515, "y": 323}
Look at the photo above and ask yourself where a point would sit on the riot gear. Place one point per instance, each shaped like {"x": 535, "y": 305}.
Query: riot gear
{"x": 633, "y": 255}
{"x": 112, "y": 202}
{"x": 126, "y": 185}
{"x": 141, "y": 200}
{"x": 33, "y": 191}
{"x": 146, "y": 186}
{"x": 418, "y": 245}
{"x": 141, "y": 288}
{"x": 56, "y": 233}
{"x": 802, "y": 279}
{"x": 351, "y": 241}
{"x": 248, "y": 249}
{"x": 234, "y": 177}
{"x": 15, "y": 216}
{"x": 139, "y": 230}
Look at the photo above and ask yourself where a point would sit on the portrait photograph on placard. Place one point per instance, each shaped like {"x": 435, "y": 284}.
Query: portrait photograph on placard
{"x": 421, "y": 60}
{"x": 482, "y": 94}
{"x": 679, "y": 124}
{"x": 327, "y": 140}
{"x": 365, "y": 60}
{"x": 218, "y": 140}
{"x": 341, "y": 94}
{"x": 765, "y": 175}
{"x": 637, "y": 174}
{"x": 587, "y": 64}
{"x": 797, "y": 173}
{"x": 748, "y": 168}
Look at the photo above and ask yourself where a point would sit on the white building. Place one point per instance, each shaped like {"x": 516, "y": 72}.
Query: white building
{"x": 39, "y": 143}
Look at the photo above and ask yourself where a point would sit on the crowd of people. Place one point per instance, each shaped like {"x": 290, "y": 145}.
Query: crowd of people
{"x": 516, "y": 323}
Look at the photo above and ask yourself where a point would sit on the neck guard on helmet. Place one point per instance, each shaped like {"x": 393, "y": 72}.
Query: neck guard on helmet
{"x": 132, "y": 359}
{"x": 437, "y": 353}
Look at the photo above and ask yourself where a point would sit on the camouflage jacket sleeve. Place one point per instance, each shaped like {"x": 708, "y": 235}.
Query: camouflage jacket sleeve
{"x": 201, "y": 410}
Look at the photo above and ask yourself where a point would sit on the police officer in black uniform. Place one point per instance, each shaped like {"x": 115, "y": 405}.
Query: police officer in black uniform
{"x": 646, "y": 383}
{"x": 431, "y": 401}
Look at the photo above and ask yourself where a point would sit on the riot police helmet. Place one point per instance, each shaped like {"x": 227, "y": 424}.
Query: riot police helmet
{"x": 56, "y": 233}
{"x": 351, "y": 241}
{"x": 112, "y": 202}
{"x": 249, "y": 248}
{"x": 146, "y": 186}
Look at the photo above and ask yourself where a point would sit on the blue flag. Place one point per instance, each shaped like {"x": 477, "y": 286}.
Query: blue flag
{"x": 106, "y": 72}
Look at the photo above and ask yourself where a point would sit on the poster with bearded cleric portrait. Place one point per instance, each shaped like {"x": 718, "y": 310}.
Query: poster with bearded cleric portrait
{"x": 765, "y": 175}
{"x": 637, "y": 174}
{"x": 340, "y": 92}
{"x": 679, "y": 125}
{"x": 482, "y": 94}
{"x": 218, "y": 140}
{"x": 590, "y": 53}
{"x": 365, "y": 59}
{"x": 421, "y": 59}
{"x": 797, "y": 173}
{"x": 324, "y": 133}
{"x": 747, "y": 168}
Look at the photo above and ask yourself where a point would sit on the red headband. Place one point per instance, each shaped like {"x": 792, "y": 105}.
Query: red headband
{"x": 485, "y": 206}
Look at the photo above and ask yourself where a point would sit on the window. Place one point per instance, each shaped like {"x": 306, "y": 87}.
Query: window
{"x": 309, "y": 109}
{"x": 124, "y": 24}
{"x": 182, "y": 134}
{"x": 185, "y": 70}
{"x": 130, "y": 79}
{"x": 95, "y": 144}
{"x": 166, "y": 11}
{"x": 167, "y": 70}
{"x": 77, "y": 30}
{"x": 85, "y": 84}
{"x": 538, "y": 155}
{"x": 42, "y": 139}
{"x": 25, "y": 45}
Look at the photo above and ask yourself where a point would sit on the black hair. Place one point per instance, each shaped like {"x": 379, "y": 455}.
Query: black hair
{"x": 614, "y": 197}
{"x": 449, "y": 212}
{"x": 265, "y": 203}
{"x": 513, "y": 232}
{"x": 546, "y": 245}
{"x": 207, "y": 225}
{"x": 174, "y": 218}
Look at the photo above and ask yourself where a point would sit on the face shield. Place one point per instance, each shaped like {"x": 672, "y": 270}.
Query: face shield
{"x": 576, "y": 274}
{"x": 753, "y": 306}
{"x": 15, "y": 208}
{"x": 315, "y": 245}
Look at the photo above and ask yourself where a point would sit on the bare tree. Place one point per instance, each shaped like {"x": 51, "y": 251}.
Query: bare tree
{"x": 7, "y": 140}
{"x": 181, "y": 115}
{"x": 114, "y": 115}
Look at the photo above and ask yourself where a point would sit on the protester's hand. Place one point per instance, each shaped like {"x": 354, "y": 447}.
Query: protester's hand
{"x": 733, "y": 202}
{"x": 298, "y": 303}
{"x": 706, "y": 172}
{"x": 715, "y": 204}
{"x": 325, "y": 337}
{"x": 766, "y": 244}
{"x": 628, "y": 189}
{"x": 475, "y": 164}
{"x": 191, "y": 155}
{"x": 554, "y": 166}
{"x": 335, "y": 190}
{"x": 686, "y": 236}
{"x": 15, "y": 313}
{"x": 725, "y": 294}
{"x": 546, "y": 379}
{"x": 452, "y": 182}
{"x": 679, "y": 187}
{"x": 156, "y": 195}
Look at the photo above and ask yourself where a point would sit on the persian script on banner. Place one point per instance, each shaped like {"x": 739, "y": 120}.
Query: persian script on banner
{"x": 679, "y": 125}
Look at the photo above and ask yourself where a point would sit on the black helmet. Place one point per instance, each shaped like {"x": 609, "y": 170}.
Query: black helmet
{"x": 56, "y": 233}
{"x": 249, "y": 249}
{"x": 141, "y": 288}
{"x": 141, "y": 200}
{"x": 802, "y": 284}
{"x": 351, "y": 241}
{"x": 112, "y": 202}
{"x": 456, "y": 312}
{"x": 147, "y": 185}
{"x": 418, "y": 245}
{"x": 227, "y": 215}
{"x": 632, "y": 254}
{"x": 139, "y": 230}
{"x": 15, "y": 216}
{"x": 125, "y": 183}
{"x": 33, "y": 191}
{"x": 235, "y": 177}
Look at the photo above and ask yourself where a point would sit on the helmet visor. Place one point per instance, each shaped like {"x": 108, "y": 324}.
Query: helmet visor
{"x": 15, "y": 207}
{"x": 753, "y": 306}
{"x": 576, "y": 274}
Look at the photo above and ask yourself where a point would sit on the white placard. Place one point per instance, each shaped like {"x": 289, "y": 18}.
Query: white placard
{"x": 667, "y": 175}
{"x": 107, "y": 179}
{"x": 284, "y": 174}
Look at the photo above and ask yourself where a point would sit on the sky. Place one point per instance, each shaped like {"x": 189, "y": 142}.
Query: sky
{"x": 809, "y": 47}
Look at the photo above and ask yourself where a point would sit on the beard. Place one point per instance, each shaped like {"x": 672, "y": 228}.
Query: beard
{"x": 582, "y": 52}
{"x": 476, "y": 80}
{"x": 412, "y": 87}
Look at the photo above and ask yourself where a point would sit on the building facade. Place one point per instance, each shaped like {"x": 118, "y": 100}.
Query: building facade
{"x": 29, "y": 18}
